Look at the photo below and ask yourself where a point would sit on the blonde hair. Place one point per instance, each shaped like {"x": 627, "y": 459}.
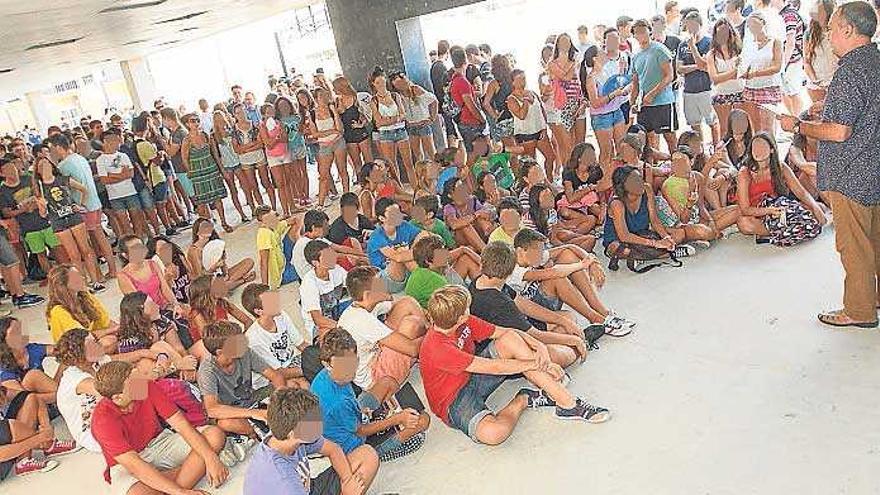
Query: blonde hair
{"x": 421, "y": 170}
{"x": 447, "y": 305}
{"x": 80, "y": 305}
{"x": 343, "y": 86}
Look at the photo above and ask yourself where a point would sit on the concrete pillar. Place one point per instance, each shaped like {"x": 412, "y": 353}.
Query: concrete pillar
{"x": 39, "y": 110}
{"x": 139, "y": 82}
{"x": 383, "y": 32}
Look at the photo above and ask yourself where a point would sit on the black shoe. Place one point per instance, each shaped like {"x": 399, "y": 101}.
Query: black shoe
{"x": 614, "y": 264}
{"x": 27, "y": 300}
{"x": 536, "y": 398}
{"x": 170, "y": 232}
{"x": 584, "y": 411}
{"x": 592, "y": 333}
{"x": 4, "y": 294}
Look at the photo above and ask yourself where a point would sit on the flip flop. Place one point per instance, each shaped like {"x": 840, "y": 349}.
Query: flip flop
{"x": 840, "y": 320}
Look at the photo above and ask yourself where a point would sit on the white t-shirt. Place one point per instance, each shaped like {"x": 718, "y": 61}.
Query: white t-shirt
{"x": 77, "y": 408}
{"x": 298, "y": 258}
{"x": 206, "y": 121}
{"x": 367, "y": 331}
{"x": 113, "y": 164}
{"x": 277, "y": 348}
{"x": 322, "y": 295}
{"x": 516, "y": 279}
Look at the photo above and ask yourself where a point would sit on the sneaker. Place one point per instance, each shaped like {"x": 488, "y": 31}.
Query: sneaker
{"x": 584, "y": 411}
{"x": 240, "y": 446}
{"x": 97, "y": 288}
{"x": 30, "y": 465}
{"x": 27, "y": 300}
{"x": 536, "y": 398}
{"x": 4, "y": 294}
{"x": 406, "y": 448}
{"x": 227, "y": 458}
{"x": 616, "y": 326}
{"x": 684, "y": 251}
{"x": 170, "y": 231}
{"x": 594, "y": 332}
{"x": 61, "y": 447}
{"x": 702, "y": 244}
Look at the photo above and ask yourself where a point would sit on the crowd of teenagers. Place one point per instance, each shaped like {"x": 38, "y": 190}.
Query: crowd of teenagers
{"x": 474, "y": 261}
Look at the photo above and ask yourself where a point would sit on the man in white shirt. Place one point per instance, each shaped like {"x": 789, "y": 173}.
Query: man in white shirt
{"x": 115, "y": 171}
{"x": 206, "y": 117}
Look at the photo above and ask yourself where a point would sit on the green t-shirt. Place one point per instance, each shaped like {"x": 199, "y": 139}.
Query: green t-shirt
{"x": 440, "y": 228}
{"x": 497, "y": 164}
{"x": 422, "y": 282}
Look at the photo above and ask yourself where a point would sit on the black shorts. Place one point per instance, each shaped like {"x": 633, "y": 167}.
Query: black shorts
{"x": 469, "y": 134}
{"x": 449, "y": 124}
{"x": 66, "y": 222}
{"x": 529, "y": 138}
{"x": 102, "y": 195}
{"x": 326, "y": 483}
{"x": 658, "y": 119}
{"x": 5, "y": 439}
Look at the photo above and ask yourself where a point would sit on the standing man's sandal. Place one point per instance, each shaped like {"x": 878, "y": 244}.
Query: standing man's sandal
{"x": 839, "y": 319}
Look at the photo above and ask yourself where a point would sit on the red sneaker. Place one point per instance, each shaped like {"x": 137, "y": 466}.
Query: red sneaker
{"x": 30, "y": 465}
{"x": 61, "y": 447}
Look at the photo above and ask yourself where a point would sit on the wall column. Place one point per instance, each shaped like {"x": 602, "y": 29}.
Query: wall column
{"x": 139, "y": 82}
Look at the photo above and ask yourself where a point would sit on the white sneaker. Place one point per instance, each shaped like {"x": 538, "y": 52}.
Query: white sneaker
{"x": 684, "y": 251}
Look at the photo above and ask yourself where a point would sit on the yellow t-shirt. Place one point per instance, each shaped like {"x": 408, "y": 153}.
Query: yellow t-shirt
{"x": 500, "y": 235}
{"x": 269, "y": 239}
{"x": 61, "y": 321}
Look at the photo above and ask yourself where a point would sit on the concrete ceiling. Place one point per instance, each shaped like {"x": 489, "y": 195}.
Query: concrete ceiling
{"x": 51, "y": 41}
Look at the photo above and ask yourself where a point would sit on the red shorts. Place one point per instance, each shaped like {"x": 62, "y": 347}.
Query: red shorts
{"x": 92, "y": 219}
{"x": 392, "y": 364}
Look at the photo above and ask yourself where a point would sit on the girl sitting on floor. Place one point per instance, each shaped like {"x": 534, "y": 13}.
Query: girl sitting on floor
{"x": 764, "y": 194}
{"x": 488, "y": 191}
{"x": 71, "y": 305}
{"x": 580, "y": 182}
{"x": 142, "y": 327}
{"x": 543, "y": 217}
{"x": 21, "y": 363}
{"x": 236, "y": 275}
{"x": 208, "y": 303}
{"x": 469, "y": 220}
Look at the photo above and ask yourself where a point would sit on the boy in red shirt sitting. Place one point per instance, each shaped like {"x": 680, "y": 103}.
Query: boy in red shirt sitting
{"x": 142, "y": 456}
{"x": 457, "y": 382}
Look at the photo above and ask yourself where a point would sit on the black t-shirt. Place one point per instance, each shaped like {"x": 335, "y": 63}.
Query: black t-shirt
{"x": 497, "y": 307}
{"x": 58, "y": 201}
{"x": 340, "y": 230}
{"x": 12, "y": 196}
{"x": 471, "y": 73}
{"x": 438, "y": 79}
{"x": 697, "y": 81}
{"x": 672, "y": 42}
{"x": 570, "y": 175}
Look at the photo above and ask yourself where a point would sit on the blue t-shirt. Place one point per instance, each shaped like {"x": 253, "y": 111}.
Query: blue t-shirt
{"x": 443, "y": 177}
{"x": 270, "y": 472}
{"x": 78, "y": 167}
{"x": 405, "y": 235}
{"x": 36, "y": 353}
{"x": 697, "y": 81}
{"x": 647, "y": 65}
{"x": 339, "y": 411}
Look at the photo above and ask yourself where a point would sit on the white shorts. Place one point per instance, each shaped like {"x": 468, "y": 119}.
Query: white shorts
{"x": 698, "y": 108}
{"x": 166, "y": 451}
{"x": 274, "y": 161}
{"x": 793, "y": 79}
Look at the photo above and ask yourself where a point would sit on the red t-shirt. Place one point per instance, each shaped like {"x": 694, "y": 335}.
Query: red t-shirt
{"x": 118, "y": 433}
{"x": 458, "y": 88}
{"x": 443, "y": 360}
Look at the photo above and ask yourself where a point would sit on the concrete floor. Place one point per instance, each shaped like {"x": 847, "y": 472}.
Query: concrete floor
{"x": 727, "y": 386}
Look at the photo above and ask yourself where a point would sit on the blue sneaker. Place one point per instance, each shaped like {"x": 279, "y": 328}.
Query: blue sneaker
{"x": 584, "y": 411}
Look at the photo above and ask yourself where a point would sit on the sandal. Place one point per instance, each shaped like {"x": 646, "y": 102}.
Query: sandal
{"x": 228, "y": 228}
{"x": 841, "y": 320}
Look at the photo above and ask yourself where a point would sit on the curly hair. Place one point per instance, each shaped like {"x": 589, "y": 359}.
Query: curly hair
{"x": 71, "y": 347}
{"x": 133, "y": 323}
{"x": 80, "y": 304}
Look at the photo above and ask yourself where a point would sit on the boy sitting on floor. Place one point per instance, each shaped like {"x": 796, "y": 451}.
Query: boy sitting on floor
{"x": 510, "y": 213}
{"x": 342, "y": 412}
{"x": 389, "y": 245}
{"x": 424, "y": 216}
{"x": 323, "y": 293}
{"x": 439, "y": 266}
{"x": 225, "y": 379}
{"x": 386, "y": 347}
{"x": 457, "y": 382}
{"x": 280, "y": 464}
{"x": 273, "y": 336}
{"x": 142, "y": 456}
{"x": 551, "y": 285}
{"x": 315, "y": 226}
{"x": 494, "y": 301}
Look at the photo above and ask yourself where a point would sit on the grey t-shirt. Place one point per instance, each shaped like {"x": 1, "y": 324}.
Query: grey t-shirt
{"x": 177, "y": 137}
{"x": 232, "y": 389}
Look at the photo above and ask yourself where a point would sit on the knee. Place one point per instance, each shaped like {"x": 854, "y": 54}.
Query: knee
{"x": 407, "y": 305}
{"x": 490, "y": 433}
{"x": 215, "y": 436}
{"x": 367, "y": 457}
{"x": 510, "y": 344}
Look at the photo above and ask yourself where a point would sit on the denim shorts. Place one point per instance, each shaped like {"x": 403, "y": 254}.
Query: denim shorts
{"x": 393, "y": 135}
{"x": 132, "y": 202}
{"x": 606, "y": 121}
{"x": 160, "y": 192}
{"x": 469, "y": 406}
{"x": 7, "y": 253}
{"x": 419, "y": 130}
{"x": 469, "y": 134}
{"x": 145, "y": 196}
{"x": 330, "y": 148}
